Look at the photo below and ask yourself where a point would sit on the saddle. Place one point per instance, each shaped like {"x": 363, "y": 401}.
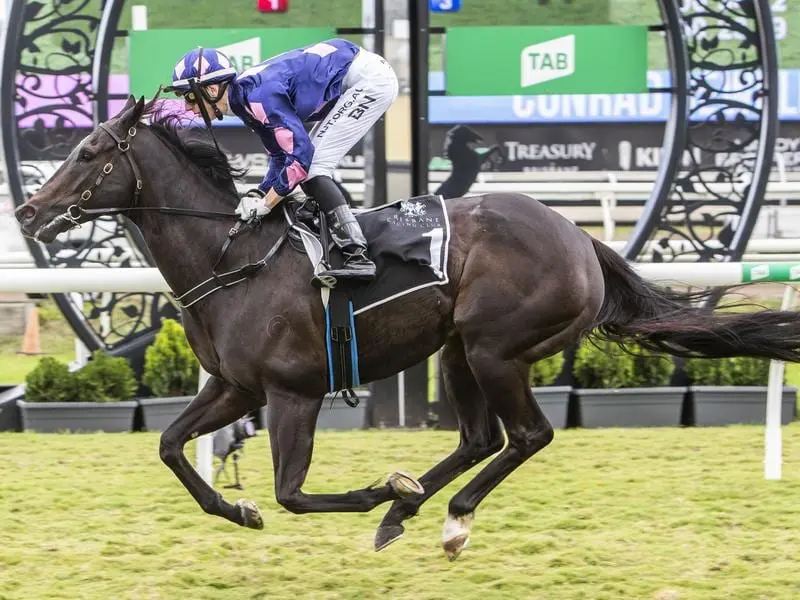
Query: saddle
{"x": 407, "y": 240}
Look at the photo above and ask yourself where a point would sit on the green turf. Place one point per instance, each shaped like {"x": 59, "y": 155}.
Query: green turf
{"x": 604, "y": 514}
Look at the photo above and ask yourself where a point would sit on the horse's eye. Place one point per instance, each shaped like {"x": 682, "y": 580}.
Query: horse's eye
{"x": 85, "y": 156}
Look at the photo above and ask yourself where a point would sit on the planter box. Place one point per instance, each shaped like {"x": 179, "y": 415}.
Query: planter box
{"x": 339, "y": 416}
{"x": 554, "y": 402}
{"x": 50, "y": 417}
{"x": 159, "y": 413}
{"x": 631, "y": 407}
{"x": 10, "y": 419}
{"x": 730, "y": 405}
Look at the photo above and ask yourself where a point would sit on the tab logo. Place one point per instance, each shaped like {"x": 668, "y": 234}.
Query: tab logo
{"x": 759, "y": 272}
{"x": 548, "y": 60}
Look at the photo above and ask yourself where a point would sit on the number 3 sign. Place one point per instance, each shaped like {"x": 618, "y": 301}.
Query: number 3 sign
{"x": 445, "y": 5}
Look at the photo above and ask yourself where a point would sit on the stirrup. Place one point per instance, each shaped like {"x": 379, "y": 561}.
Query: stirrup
{"x": 322, "y": 280}
{"x": 329, "y": 277}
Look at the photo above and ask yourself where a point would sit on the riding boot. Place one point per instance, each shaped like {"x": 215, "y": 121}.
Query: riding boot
{"x": 344, "y": 228}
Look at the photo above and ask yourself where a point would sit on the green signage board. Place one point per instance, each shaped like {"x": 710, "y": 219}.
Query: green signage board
{"x": 570, "y": 59}
{"x": 154, "y": 52}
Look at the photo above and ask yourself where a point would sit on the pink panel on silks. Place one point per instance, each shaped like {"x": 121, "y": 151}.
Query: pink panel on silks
{"x": 322, "y": 49}
{"x": 285, "y": 139}
{"x": 257, "y": 110}
{"x": 295, "y": 173}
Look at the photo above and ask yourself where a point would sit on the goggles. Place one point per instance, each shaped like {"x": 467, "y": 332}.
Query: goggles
{"x": 189, "y": 97}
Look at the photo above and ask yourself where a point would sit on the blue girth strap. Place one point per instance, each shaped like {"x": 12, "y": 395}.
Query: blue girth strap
{"x": 341, "y": 347}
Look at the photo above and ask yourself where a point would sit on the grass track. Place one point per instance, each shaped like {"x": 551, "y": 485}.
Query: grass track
{"x": 611, "y": 514}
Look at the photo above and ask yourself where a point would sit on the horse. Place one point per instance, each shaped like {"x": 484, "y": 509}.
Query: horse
{"x": 525, "y": 283}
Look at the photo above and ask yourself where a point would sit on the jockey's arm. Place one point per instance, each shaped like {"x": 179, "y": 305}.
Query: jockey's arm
{"x": 286, "y": 140}
{"x": 272, "y": 198}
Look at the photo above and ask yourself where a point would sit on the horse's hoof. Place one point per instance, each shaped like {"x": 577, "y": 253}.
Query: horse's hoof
{"x": 455, "y": 534}
{"x": 250, "y": 514}
{"x": 387, "y": 534}
{"x": 405, "y": 485}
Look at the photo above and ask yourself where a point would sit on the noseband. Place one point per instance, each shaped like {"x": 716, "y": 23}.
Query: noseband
{"x": 76, "y": 211}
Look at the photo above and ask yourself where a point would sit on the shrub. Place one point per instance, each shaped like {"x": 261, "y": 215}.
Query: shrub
{"x": 170, "y": 366}
{"x": 106, "y": 379}
{"x": 736, "y": 370}
{"x": 545, "y": 371}
{"x": 51, "y": 381}
{"x": 606, "y": 365}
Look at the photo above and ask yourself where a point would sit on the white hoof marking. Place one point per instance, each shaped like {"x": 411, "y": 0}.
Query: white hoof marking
{"x": 455, "y": 534}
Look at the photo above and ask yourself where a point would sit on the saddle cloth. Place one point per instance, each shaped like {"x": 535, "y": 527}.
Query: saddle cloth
{"x": 408, "y": 241}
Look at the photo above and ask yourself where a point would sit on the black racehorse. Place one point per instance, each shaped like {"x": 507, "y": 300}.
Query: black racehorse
{"x": 524, "y": 284}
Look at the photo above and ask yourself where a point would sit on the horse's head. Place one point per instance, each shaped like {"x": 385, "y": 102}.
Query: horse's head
{"x": 100, "y": 174}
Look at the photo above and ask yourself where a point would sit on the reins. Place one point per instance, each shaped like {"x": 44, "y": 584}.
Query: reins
{"x": 77, "y": 214}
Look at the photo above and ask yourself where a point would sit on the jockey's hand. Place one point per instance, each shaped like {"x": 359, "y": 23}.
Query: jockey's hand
{"x": 252, "y": 204}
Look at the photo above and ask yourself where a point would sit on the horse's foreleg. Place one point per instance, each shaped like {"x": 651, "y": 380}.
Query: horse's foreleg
{"x": 481, "y": 437}
{"x": 217, "y": 405}
{"x": 292, "y": 423}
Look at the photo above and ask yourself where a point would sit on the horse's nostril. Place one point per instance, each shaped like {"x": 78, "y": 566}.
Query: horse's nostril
{"x": 25, "y": 213}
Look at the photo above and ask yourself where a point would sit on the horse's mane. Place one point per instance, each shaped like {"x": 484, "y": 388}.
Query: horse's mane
{"x": 196, "y": 144}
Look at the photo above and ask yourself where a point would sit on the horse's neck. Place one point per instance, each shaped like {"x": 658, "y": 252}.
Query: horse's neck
{"x": 184, "y": 248}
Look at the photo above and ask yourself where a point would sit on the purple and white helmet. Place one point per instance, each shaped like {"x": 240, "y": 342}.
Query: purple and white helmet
{"x": 202, "y": 65}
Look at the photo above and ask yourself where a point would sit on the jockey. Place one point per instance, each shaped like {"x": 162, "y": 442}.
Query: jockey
{"x": 341, "y": 87}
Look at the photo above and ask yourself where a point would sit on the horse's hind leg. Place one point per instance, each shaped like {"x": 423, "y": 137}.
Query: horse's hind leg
{"x": 217, "y": 405}
{"x": 505, "y": 385}
{"x": 481, "y": 436}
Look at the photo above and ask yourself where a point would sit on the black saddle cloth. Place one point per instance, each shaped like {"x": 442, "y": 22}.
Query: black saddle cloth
{"x": 407, "y": 240}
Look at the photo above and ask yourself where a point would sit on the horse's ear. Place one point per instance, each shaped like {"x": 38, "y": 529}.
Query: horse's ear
{"x": 127, "y": 108}
{"x": 133, "y": 113}
{"x": 138, "y": 110}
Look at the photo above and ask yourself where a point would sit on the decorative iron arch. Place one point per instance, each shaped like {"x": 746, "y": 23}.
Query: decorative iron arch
{"x": 731, "y": 75}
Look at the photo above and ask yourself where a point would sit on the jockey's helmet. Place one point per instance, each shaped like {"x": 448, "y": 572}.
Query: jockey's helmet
{"x": 201, "y": 66}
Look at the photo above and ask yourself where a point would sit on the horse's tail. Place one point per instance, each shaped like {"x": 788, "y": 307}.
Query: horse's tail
{"x": 663, "y": 320}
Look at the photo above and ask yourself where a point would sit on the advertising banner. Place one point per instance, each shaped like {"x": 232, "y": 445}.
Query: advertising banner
{"x": 584, "y": 59}
{"x": 603, "y": 147}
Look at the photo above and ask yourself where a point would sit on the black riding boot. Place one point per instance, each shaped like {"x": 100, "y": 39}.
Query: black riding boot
{"x": 344, "y": 229}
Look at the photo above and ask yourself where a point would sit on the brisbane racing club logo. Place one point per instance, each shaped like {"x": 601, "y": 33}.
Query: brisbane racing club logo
{"x": 410, "y": 208}
{"x": 415, "y": 214}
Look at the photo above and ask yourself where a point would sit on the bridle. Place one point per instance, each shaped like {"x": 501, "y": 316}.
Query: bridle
{"x": 76, "y": 211}
{"x": 76, "y": 215}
